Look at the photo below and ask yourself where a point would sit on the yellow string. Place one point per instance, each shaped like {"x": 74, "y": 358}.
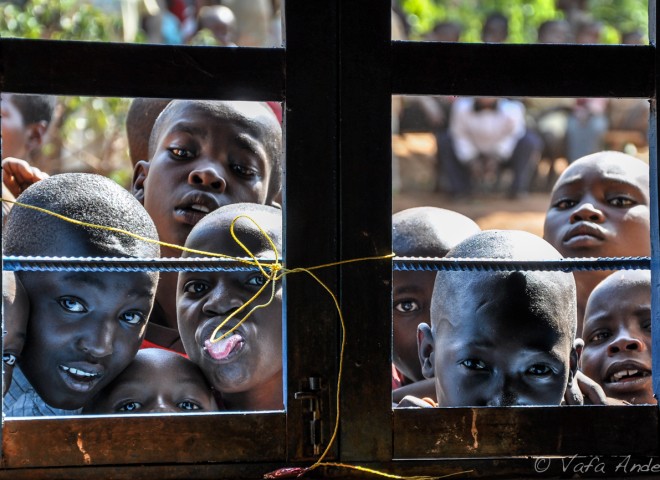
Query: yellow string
{"x": 389, "y": 475}
{"x": 272, "y": 277}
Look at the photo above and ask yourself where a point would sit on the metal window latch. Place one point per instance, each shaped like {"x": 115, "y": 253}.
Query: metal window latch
{"x": 311, "y": 393}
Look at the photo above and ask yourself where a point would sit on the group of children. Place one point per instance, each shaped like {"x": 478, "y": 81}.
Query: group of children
{"x": 73, "y": 336}
{"x": 213, "y": 175}
{"x": 538, "y": 337}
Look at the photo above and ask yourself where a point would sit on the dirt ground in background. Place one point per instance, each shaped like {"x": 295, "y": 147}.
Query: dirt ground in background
{"x": 416, "y": 154}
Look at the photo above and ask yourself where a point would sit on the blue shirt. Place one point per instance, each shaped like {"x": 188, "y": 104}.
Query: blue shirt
{"x": 22, "y": 400}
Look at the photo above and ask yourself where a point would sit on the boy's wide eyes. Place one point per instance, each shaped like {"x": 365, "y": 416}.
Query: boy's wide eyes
{"x": 243, "y": 171}
{"x": 622, "y": 202}
{"x": 72, "y": 304}
{"x": 539, "y": 369}
{"x": 130, "y": 407}
{"x": 195, "y": 287}
{"x": 406, "y": 306}
{"x": 181, "y": 153}
{"x": 188, "y": 405}
{"x": 132, "y": 317}
{"x": 564, "y": 203}
{"x": 135, "y": 406}
{"x": 474, "y": 364}
{"x": 257, "y": 280}
{"x": 599, "y": 336}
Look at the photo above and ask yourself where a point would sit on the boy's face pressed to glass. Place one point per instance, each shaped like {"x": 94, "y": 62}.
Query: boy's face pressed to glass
{"x": 175, "y": 385}
{"x": 252, "y": 354}
{"x": 411, "y": 302}
{"x": 600, "y": 208}
{"x": 496, "y": 351}
{"x": 204, "y": 160}
{"x": 617, "y": 341}
{"x": 84, "y": 328}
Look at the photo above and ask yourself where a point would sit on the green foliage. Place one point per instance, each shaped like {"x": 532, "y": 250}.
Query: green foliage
{"x": 525, "y": 16}
{"x": 86, "y": 129}
{"x": 59, "y": 20}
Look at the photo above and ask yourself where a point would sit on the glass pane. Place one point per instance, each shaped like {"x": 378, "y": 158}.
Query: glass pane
{"x": 246, "y": 23}
{"x": 571, "y": 171}
{"x": 538, "y": 21}
{"x": 176, "y": 170}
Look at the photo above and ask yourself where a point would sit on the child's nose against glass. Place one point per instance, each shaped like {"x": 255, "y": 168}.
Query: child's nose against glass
{"x": 625, "y": 343}
{"x": 221, "y": 301}
{"x": 208, "y": 177}
{"x": 587, "y": 211}
{"x": 161, "y": 406}
{"x": 97, "y": 340}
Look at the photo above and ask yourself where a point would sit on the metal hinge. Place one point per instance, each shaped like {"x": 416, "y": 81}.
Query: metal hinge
{"x": 311, "y": 393}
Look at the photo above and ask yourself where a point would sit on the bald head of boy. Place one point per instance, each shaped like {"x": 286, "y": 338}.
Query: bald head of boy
{"x": 501, "y": 338}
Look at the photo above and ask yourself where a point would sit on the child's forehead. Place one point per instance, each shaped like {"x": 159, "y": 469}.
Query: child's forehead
{"x": 536, "y": 297}
{"x": 151, "y": 360}
{"x": 606, "y": 167}
{"x": 216, "y": 236}
{"x": 246, "y": 112}
{"x": 615, "y": 285}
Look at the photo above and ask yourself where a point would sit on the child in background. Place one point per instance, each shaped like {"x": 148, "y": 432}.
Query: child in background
{"x": 140, "y": 119}
{"x": 599, "y": 207}
{"x": 15, "y": 309}
{"x": 84, "y": 328}
{"x": 617, "y": 336}
{"x": 418, "y": 232}
{"x": 157, "y": 381}
{"x": 501, "y": 338}
{"x": 25, "y": 120}
{"x": 204, "y": 154}
{"x": 246, "y": 367}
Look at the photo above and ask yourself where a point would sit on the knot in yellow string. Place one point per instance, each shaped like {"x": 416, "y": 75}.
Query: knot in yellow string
{"x": 269, "y": 271}
{"x": 272, "y": 272}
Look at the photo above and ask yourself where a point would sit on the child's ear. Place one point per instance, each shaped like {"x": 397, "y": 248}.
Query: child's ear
{"x": 139, "y": 176}
{"x": 425, "y": 349}
{"x": 576, "y": 353}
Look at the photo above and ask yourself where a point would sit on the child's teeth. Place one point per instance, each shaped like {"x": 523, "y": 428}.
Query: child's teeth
{"x": 200, "y": 208}
{"x": 624, "y": 373}
{"x": 80, "y": 373}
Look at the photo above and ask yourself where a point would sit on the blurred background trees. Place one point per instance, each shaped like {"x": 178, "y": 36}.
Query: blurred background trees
{"x": 524, "y": 16}
{"x": 88, "y": 133}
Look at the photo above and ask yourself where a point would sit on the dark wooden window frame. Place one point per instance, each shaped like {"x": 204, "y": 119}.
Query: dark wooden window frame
{"x": 337, "y": 74}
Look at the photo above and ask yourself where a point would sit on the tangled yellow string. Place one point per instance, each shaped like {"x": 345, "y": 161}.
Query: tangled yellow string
{"x": 273, "y": 272}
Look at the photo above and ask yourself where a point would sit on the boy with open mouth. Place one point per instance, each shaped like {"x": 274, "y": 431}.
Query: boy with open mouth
{"x": 242, "y": 360}
{"x": 83, "y": 328}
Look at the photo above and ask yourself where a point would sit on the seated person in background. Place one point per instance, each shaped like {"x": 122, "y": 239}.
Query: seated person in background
{"x": 501, "y": 338}
{"x": 84, "y": 328}
{"x": 486, "y": 134}
{"x": 599, "y": 207}
{"x": 157, "y": 381}
{"x": 203, "y": 154}
{"x": 617, "y": 336}
{"x": 16, "y": 310}
{"x": 587, "y": 122}
{"x": 418, "y": 232}
{"x": 245, "y": 368}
